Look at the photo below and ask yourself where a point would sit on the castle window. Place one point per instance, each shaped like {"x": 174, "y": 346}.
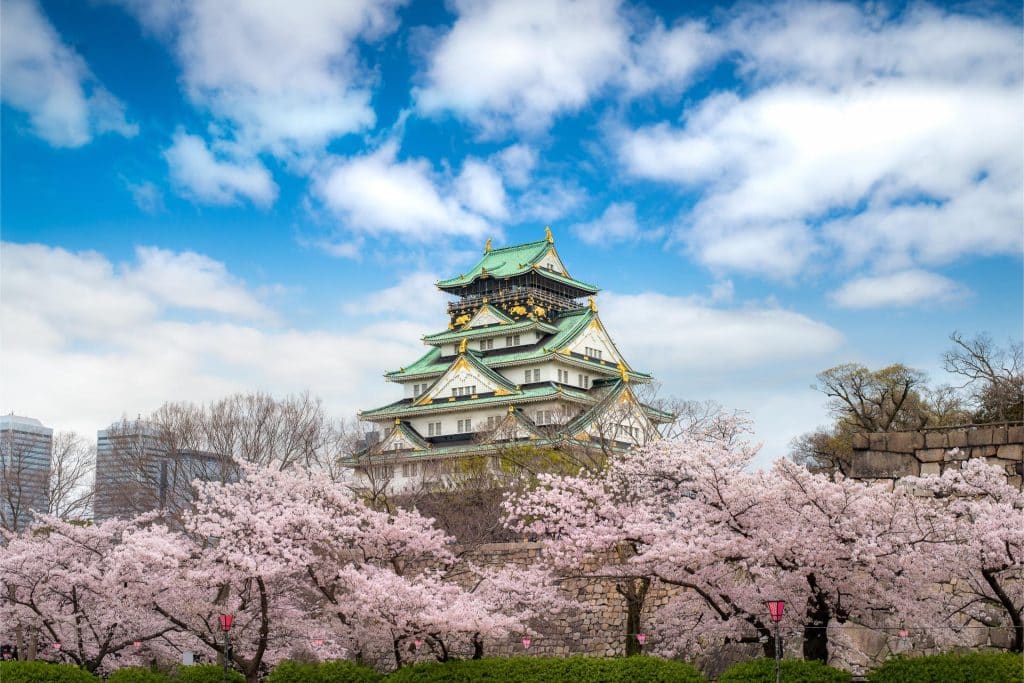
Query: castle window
{"x": 434, "y": 429}
{"x": 592, "y": 352}
{"x": 486, "y": 344}
{"x": 544, "y": 417}
{"x": 465, "y": 426}
{"x": 512, "y": 340}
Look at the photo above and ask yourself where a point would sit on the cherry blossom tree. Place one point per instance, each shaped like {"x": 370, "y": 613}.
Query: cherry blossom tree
{"x": 292, "y": 553}
{"x": 984, "y": 514}
{"x": 78, "y": 593}
{"x": 692, "y": 513}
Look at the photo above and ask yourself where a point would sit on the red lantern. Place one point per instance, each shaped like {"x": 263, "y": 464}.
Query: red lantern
{"x": 904, "y": 633}
{"x": 137, "y": 644}
{"x": 56, "y": 646}
{"x": 225, "y": 622}
{"x": 317, "y": 642}
{"x": 641, "y": 638}
{"x": 418, "y": 643}
{"x": 526, "y": 642}
{"x": 775, "y": 608}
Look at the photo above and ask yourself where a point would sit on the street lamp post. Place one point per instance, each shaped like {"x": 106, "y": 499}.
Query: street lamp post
{"x": 225, "y": 625}
{"x": 775, "y": 609}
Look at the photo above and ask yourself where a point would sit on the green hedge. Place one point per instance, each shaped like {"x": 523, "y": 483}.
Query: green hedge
{"x": 793, "y": 671}
{"x": 551, "y": 670}
{"x": 43, "y": 672}
{"x": 137, "y": 674}
{"x": 976, "y": 667}
{"x": 206, "y": 673}
{"x": 326, "y": 672}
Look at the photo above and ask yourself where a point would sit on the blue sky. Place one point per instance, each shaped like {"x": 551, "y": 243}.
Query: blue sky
{"x": 201, "y": 198}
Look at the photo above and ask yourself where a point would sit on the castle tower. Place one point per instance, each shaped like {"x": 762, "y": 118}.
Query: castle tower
{"x": 525, "y": 358}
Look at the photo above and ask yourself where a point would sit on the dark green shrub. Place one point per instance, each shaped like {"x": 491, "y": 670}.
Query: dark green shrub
{"x": 551, "y": 670}
{"x": 206, "y": 673}
{"x": 137, "y": 674}
{"x": 793, "y": 671}
{"x": 347, "y": 672}
{"x": 43, "y": 672}
{"x": 326, "y": 672}
{"x": 976, "y": 667}
{"x": 295, "y": 672}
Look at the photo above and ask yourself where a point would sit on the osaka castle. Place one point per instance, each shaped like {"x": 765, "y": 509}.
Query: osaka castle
{"x": 525, "y": 358}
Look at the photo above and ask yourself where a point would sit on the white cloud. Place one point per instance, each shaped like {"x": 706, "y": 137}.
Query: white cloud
{"x": 616, "y": 224}
{"x": 285, "y": 77}
{"x": 200, "y": 175}
{"x": 51, "y": 82}
{"x": 521, "y": 63}
{"x": 194, "y": 282}
{"x": 146, "y": 195}
{"x": 670, "y": 57}
{"x": 414, "y": 296}
{"x": 377, "y": 194}
{"x": 916, "y": 118}
{"x": 685, "y": 334}
{"x": 100, "y": 340}
{"x": 480, "y": 188}
{"x": 517, "y": 163}
{"x": 902, "y": 289}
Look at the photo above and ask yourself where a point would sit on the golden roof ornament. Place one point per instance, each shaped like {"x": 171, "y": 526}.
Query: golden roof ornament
{"x": 547, "y": 234}
{"x": 487, "y": 246}
{"x": 623, "y": 373}
{"x": 398, "y": 420}
{"x": 462, "y": 345}
{"x": 593, "y": 305}
{"x": 511, "y": 409}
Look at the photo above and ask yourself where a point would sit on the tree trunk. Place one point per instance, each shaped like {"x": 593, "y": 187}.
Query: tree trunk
{"x": 635, "y": 592}
{"x": 478, "y": 646}
{"x": 816, "y": 622}
{"x": 1012, "y": 611}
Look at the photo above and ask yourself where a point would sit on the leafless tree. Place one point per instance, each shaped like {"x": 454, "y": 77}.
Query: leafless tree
{"x": 993, "y": 376}
{"x": 150, "y": 463}
{"x": 55, "y": 482}
{"x": 72, "y": 465}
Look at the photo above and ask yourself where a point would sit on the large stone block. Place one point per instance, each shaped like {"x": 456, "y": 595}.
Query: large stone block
{"x": 904, "y": 442}
{"x": 860, "y": 442}
{"x": 931, "y": 468}
{"x": 883, "y": 464}
{"x": 1012, "y": 451}
{"x": 876, "y": 441}
{"x": 979, "y": 436}
{"x": 931, "y": 454}
{"x": 957, "y": 438}
{"x": 1015, "y": 434}
{"x": 936, "y": 440}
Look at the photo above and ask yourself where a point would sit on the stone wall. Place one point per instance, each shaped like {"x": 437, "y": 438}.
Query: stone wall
{"x": 892, "y": 455}
{"x": 595, "y": 624}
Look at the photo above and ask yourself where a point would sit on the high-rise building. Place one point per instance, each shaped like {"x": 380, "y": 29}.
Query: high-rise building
{"x": 25, "y": 450}
{"x": 525, "y": 358}
{"x": 138, "y": 470}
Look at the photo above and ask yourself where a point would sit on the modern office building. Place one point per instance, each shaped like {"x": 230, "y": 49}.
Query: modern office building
{"x": 137, "y": 470}
{"x": 525, "y": 358}
{"x": 25, "y": 450}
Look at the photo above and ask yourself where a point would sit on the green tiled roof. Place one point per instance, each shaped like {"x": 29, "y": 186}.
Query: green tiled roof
{"x": 427, "y": 363}
{"x": 405, "y": 407}
{"x": 568, "y": 325}
{"x": 514, "y": 328}
{"x": 515, "y": 260}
